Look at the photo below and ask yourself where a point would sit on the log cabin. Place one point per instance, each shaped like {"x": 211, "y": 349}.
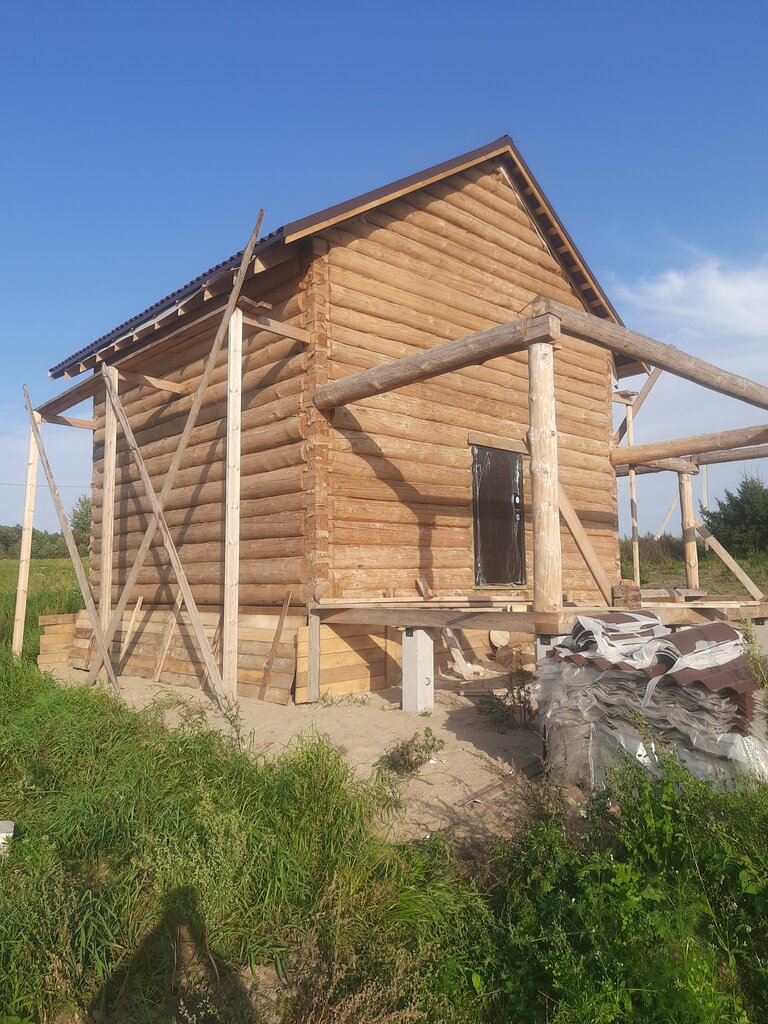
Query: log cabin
{"x": 387, "y": 421}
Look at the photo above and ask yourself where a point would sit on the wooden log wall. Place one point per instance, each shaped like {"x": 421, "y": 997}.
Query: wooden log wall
{"x": 273, "y": 460}
{"x": 453, "y": 258}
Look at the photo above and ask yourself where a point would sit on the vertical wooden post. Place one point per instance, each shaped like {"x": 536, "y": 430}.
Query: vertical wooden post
{"x": 633, "y": 503}
{"x": 689, "y": 531}
{"x": 705, "y": 496}
{"x": 22, "y": 586}
{"x": 542, "y": 441}
{"x": 108, "y": 505}
{"x": 232, "y": 514}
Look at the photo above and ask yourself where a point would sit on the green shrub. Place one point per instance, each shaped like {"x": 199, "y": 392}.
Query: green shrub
{"x": 406, "y": 757}
{"x": 740, "y": 521}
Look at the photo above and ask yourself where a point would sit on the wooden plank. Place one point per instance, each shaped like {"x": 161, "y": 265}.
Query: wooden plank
{"x": 276, "y": 641}
{"x": 22, "y": 585}
{"x": 715, "y": 545}
{"x": 545, "y": 506}
{"x": 584, "y": 544}
{"x": 456, "y": 618}
{"x": 492, "y": 441}
{"x": 453, "y": 645}
{"x": 173, "y": 556}
{"x": 194, "y": 412}
{"x": 666, "y": 357}
{"x": 642, "y": 394}
{"x": 689, "y": 532}
{"x": 74, "y": 554}
{"x": 232, "y": 509}
{"x": 454, "y": 355}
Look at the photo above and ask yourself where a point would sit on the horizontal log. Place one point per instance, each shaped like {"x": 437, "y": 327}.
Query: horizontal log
{"x": 759, "y": 451}
{"x": 665, "y": 357}
{"x": 695, "y": 445}
{"x": 452, "y": 356}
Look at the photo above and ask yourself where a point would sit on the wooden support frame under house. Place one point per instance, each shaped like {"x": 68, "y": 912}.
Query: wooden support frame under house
{"x": 414, "y": 399}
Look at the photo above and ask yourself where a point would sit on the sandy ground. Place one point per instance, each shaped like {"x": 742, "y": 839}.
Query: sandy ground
{"x": 452, "y": 793}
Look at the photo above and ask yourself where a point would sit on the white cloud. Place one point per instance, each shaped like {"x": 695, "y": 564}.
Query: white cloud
{"x": 716, "y": 312}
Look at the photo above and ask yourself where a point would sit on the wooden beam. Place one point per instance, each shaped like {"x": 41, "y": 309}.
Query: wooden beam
{"x": 759, "y": 451}
{"x": 728, "y": 559}
{"x": 688, "y": 518}
{"x": 74, "y": 554}
{"x": 642, "y": 394}
{"x": 659, "y": 466}
{"x": 694, "y": 445}
{"x": 69, "y": 421}
{"x": 153, "y": 382}
{"x": 454, "y": 355}
{"x": 275, "y": 643}
{"x": 109, "y": 464}
{"x": 633, "y": 504}
{"x": 173, "y": 555}
{"x": 232, "y": 510}
{"x": 22, "y": 585}
{"x": 545, "y": 505}
{"x": 666, "y": 357}
{"x": 427, "y": 615}
{"x": 584, "y": 544}
{"x": 194, "y": 412}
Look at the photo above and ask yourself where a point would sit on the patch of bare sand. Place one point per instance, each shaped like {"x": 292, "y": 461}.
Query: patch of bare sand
{"x": 458, "y": 792}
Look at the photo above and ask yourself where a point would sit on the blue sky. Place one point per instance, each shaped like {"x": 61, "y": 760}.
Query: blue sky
{"x": 139, "y": 140}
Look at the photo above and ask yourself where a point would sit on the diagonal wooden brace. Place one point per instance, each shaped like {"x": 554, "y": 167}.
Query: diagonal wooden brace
{"x": 74, "y": 554}
{"x": 170, "y": 547}
{"x": 194, "y": 412}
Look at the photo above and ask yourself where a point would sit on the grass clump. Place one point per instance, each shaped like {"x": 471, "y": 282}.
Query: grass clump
{"x": 408, "y": 756}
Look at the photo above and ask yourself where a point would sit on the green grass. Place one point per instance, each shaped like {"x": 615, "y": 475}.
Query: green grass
{"x": 170, "y": 876}
{"x": 53, "y": 590}
{"x": 662, "y": 565}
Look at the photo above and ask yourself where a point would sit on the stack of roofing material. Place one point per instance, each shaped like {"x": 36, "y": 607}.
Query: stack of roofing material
{"x": 623, "y": 680}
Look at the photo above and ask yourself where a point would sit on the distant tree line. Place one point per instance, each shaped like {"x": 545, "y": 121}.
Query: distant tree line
{"x": 51, "y": 545}
{"x": 740, "y": 521}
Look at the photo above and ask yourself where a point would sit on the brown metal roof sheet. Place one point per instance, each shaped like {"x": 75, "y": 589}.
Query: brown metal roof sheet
{"x": 503, "y": 147}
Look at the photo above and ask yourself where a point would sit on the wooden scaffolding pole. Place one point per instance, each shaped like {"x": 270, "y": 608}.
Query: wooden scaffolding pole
{"x": 173, "y": 555}
{"x": 189, "y": 426}
{"x": 74, "y": 554}
{"x": 689, "y": 532}
{"x": 108, "y": 506}
{"x": 668, "y": 516}
{"x": 633, "y": 504}
{"x": 232, "y": 513}
{"x": 542, "y": 442}
{"x": 22, "y": 586}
